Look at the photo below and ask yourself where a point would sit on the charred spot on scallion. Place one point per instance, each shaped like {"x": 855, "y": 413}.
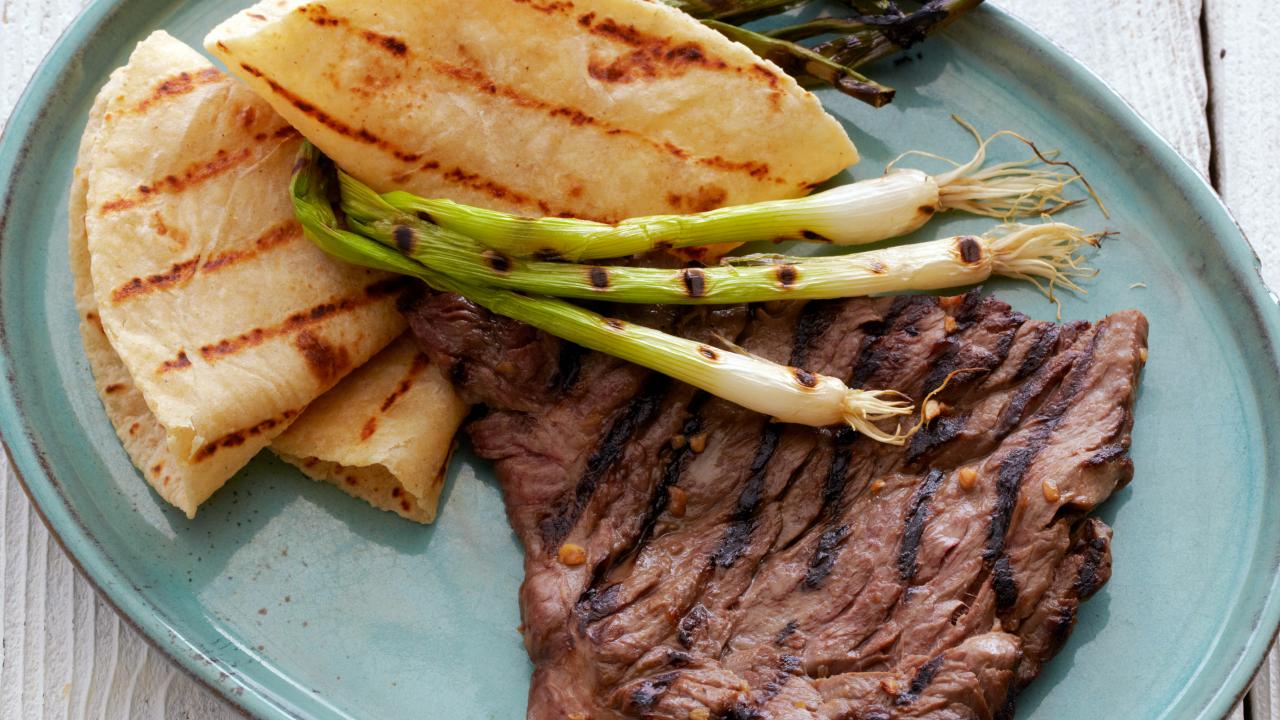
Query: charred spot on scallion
{"x": 599, "y": 277}
{"x": 695, "y": 282}
{"x": 500, "y": 263}
{"x": 404, "y": 238}
{"x": 970, "y": 250}
{"x": 805, "y": 378}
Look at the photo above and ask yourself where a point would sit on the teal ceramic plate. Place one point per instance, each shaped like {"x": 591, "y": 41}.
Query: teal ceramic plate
{"x": 293, "y": 600}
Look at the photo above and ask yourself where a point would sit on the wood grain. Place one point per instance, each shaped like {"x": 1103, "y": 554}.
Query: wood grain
{"x": 1242, "y": 44}
{"x": 1244, "y": 52}
{"x": 1148, "y": 50}
{"x": 65, "y": 654}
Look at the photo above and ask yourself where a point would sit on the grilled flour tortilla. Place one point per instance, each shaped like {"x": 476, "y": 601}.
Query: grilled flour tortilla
{"x": 209, "y": 320}
{"x": 383, "y": 434}
{"x": 598, "y": 109}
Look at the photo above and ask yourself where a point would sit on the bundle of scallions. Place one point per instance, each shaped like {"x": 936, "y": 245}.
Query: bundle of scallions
{"x": 498, "y": 261}
{"x": 874, "y": 29}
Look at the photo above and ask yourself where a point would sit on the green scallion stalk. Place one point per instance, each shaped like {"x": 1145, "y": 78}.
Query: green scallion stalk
{"x": 1041, "y": 253}
{"x": 872, "y": 36}
{"x": 787, "y": 394}
{"x": 869, "y": 211}
{"x": 737, "y": 11}
{"x": 806, "y": 64}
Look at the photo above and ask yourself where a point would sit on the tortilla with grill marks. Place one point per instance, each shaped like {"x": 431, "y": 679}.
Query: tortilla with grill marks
{"x": 384, "y": 434}
{"x": 210, "y": 322}
{"x": 598, "y": 109}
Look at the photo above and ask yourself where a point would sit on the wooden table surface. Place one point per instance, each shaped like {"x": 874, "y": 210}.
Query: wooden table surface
{"x": 1197, "y": 70}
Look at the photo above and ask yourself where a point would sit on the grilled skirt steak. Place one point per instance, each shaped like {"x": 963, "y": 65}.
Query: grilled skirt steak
{"x": 686, "y": 558}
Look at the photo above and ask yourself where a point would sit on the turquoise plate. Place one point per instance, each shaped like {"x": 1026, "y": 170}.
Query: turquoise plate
{"x": 293, "y": 600}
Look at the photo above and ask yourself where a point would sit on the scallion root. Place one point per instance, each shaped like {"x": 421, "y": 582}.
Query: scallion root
{"x": 862, "y": 409}
{"x": 1045, "y": 255}
{"x": 1034, "y": 186}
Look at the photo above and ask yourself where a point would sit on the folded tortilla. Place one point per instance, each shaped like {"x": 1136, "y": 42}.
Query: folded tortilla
{"x": 383, "y": 434}
{"x": 209, "y": 320}
{"x": 598, "y": 109}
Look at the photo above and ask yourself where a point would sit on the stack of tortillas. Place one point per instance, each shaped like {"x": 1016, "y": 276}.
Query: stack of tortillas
{"x": 212, "y": 324}
{"x": 215, "y": 329}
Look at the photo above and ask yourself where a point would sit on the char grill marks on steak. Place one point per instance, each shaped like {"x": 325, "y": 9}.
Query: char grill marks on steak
{"x": 751, "y": 569}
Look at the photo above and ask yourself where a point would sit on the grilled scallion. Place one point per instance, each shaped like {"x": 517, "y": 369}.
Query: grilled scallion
{"x": 877, "y": 29}
{"x": 896, "y": 204}
{"x": 787, "y": 394}
{"x": 807, "y": 65}
{"x": 1043, "y": 253}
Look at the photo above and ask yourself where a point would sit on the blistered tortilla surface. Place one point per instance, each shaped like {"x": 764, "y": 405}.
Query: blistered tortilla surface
{"x": 384, "y": 434}
{"x": 210, "y": 322}
{"x": 598, "y": 109}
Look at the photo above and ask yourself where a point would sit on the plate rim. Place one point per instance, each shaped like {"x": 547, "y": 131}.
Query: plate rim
{"x": 64, "y": 523}
{"x": 245, "y": 694}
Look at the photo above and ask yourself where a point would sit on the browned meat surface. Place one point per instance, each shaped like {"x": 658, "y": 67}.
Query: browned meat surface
{"x": 686, "y": 558}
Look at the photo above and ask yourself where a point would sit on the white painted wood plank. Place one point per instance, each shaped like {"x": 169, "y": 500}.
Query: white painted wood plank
{"x": 1264, "y": 699}
{"x": 1148, "y": 50}
{"x": 66, "y": 655}
{"x": 1243, "y": 38}
{"x": 1244, "y": 52}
